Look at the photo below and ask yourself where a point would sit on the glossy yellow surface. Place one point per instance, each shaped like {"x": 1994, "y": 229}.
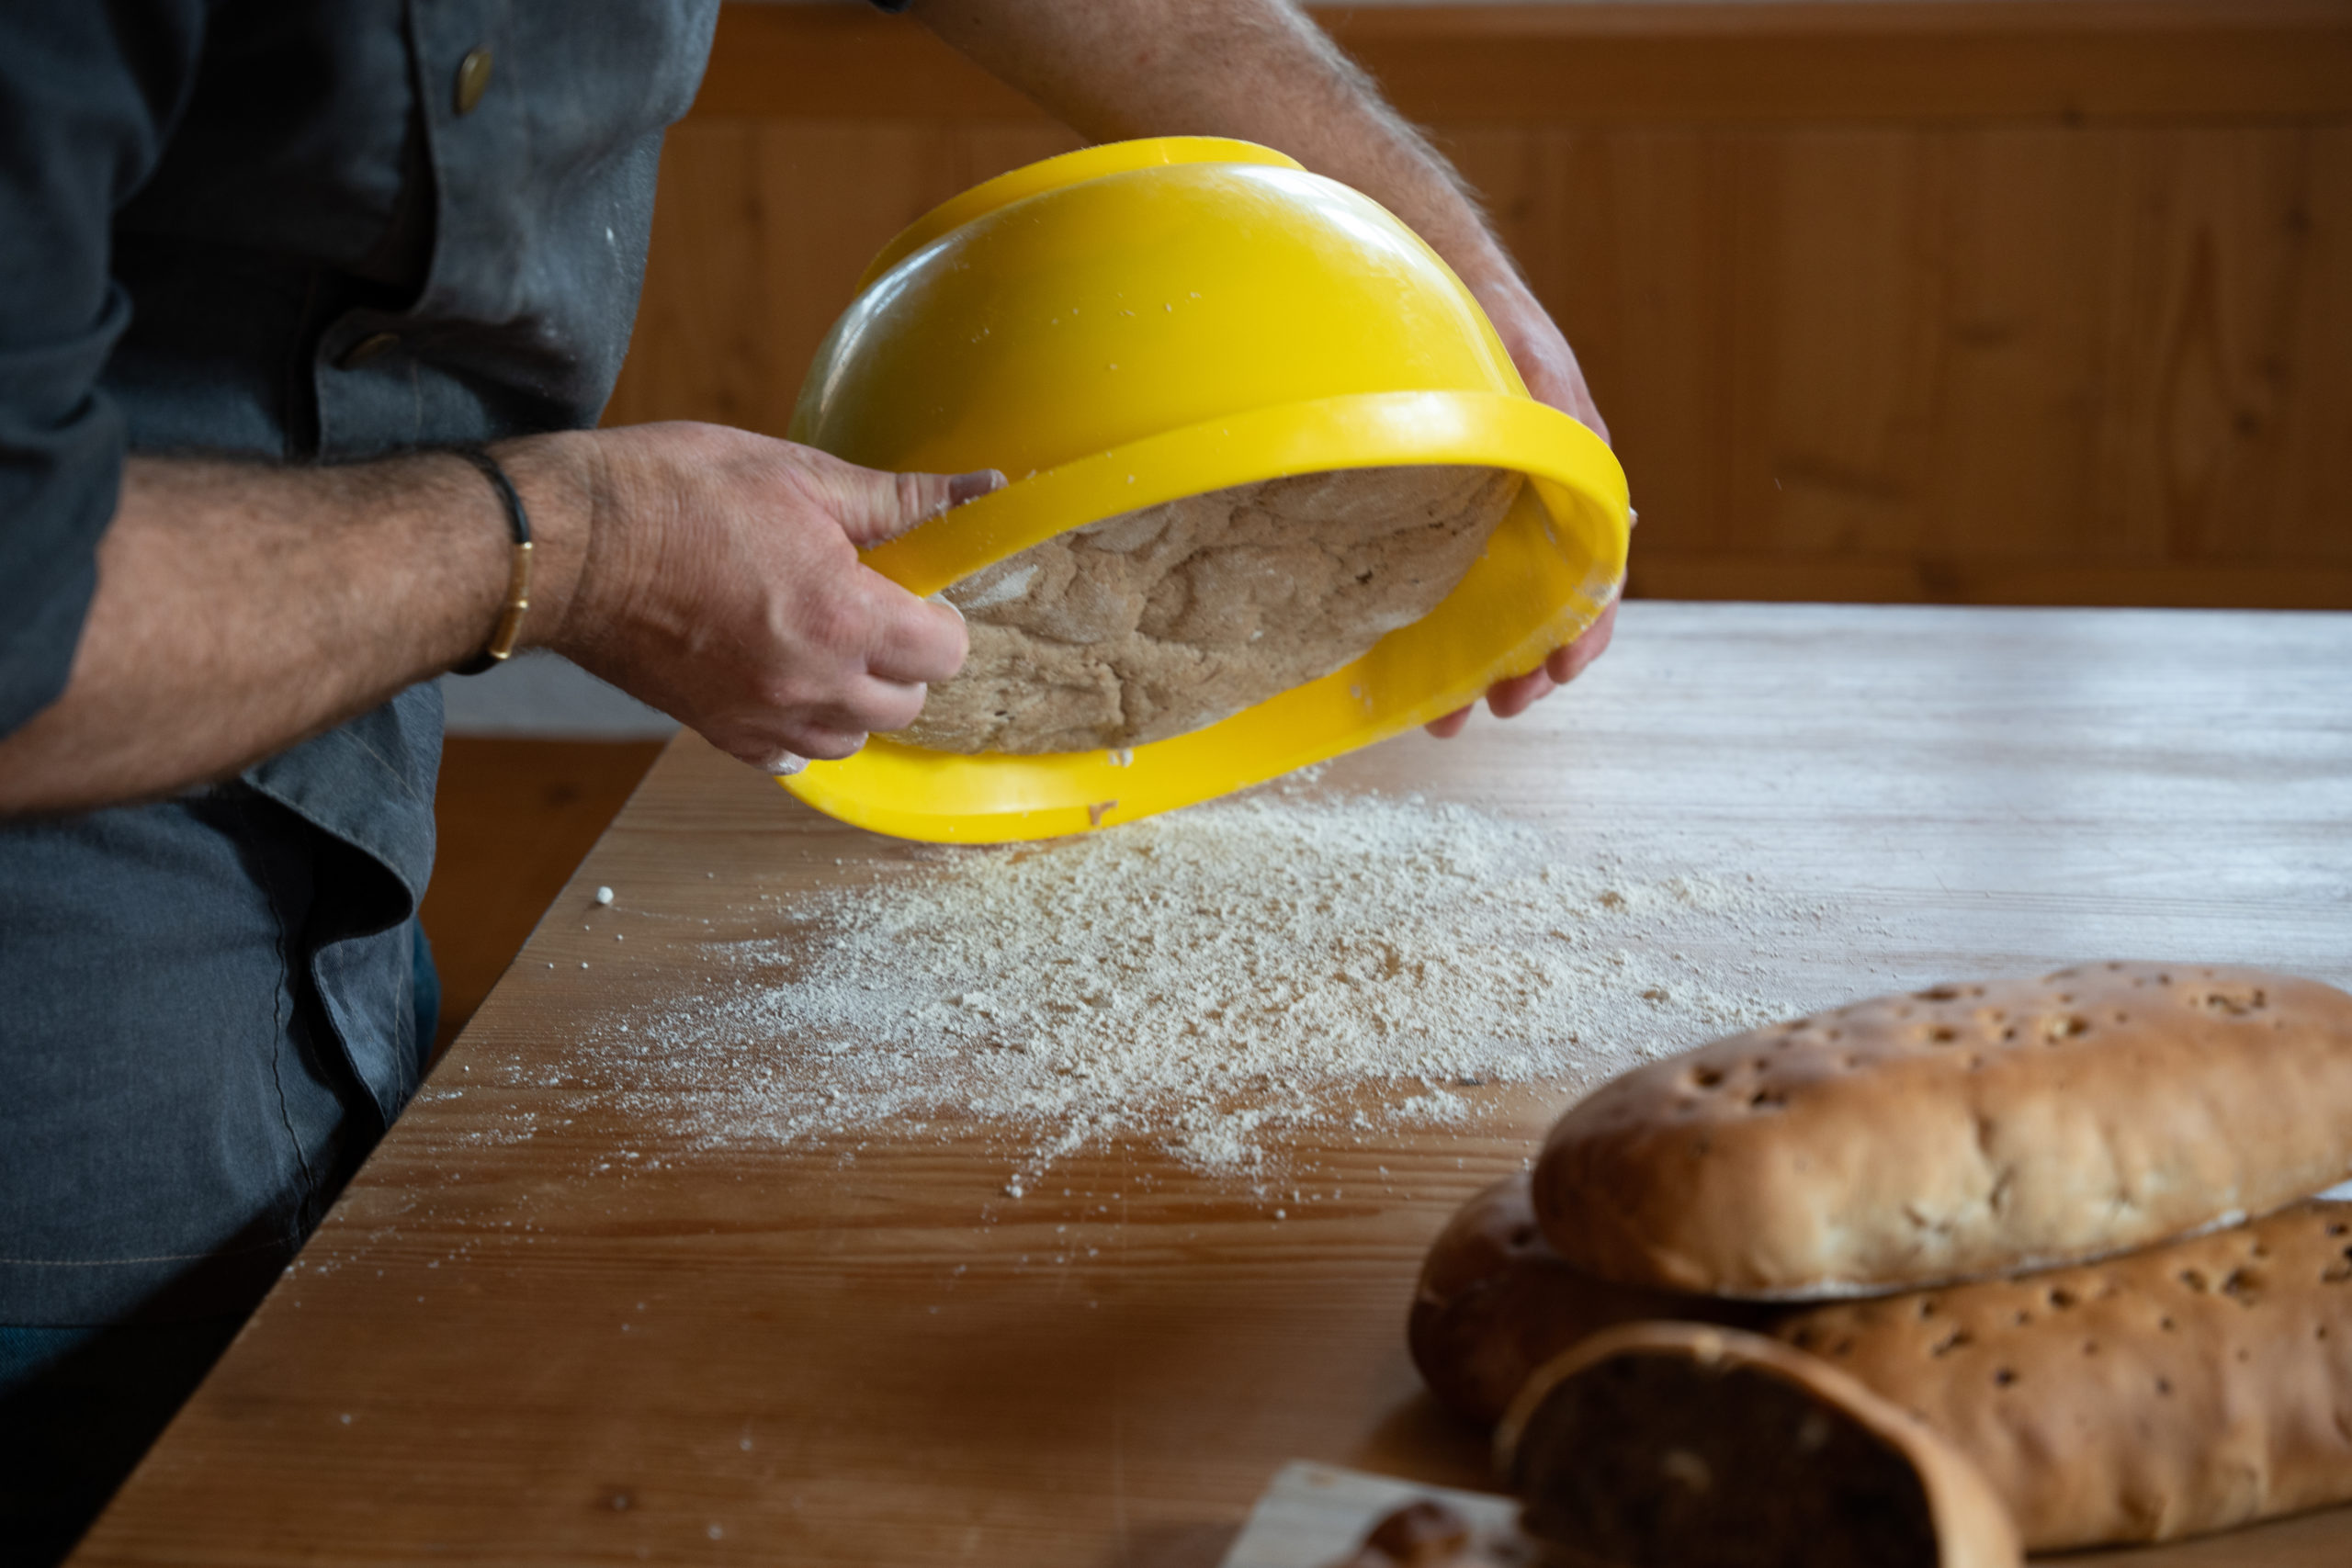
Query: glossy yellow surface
{"x": 1133, "y": 323}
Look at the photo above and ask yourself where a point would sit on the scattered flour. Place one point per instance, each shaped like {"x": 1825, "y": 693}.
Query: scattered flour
{"x": 1204, "y": 978}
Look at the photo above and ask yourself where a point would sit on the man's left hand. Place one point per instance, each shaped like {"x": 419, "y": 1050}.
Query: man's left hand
{"x": 1549, "y": 368}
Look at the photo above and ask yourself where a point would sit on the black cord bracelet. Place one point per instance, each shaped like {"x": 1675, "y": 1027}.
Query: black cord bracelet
{"x": 518, "y": 575}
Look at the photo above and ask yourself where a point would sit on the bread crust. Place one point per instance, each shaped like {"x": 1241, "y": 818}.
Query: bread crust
{"x": 2190, "y": 1388}
{"x": 1971, "y": 1527}
{"x": 1494, "y": 1302}
{"x": 1957, "y": 1132}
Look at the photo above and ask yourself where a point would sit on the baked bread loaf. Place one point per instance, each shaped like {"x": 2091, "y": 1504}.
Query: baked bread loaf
{"x": 1680, "y": 1444}
{"x": 1957, "y": 1132}
{"x": 2188, "y": 1388}
{"x": 1495, "y": 1303}
{"x": 1163, "y": 620}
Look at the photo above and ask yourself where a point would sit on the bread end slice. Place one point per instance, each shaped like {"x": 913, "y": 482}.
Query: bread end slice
{"x": 1675, "y": 1444}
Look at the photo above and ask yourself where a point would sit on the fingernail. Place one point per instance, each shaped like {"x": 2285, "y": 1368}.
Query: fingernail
{"x": 974, "y": 485}
{"x": 941, "y": 598}
{"x": 784, "y": 764}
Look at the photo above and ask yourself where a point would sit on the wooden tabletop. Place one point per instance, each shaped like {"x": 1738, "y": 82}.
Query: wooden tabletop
{"x": 545, "y": 1327}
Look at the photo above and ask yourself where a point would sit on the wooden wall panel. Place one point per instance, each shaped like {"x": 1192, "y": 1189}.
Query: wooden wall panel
{"x": 1985, "y": 354}
{"x": 760, "y": 233}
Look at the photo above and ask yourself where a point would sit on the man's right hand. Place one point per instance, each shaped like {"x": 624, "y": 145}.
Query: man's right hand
{"x": 243, "y": 606}
{"x": 719, "y": 582}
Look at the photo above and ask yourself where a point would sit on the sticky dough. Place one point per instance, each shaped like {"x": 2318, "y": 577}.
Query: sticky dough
{"x": 1160, "y": 621}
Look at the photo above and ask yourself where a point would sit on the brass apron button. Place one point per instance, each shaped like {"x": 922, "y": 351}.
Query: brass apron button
{"x": 473, "y": 79}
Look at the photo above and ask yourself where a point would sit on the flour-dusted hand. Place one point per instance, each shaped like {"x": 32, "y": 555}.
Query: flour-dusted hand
{"x": 722, "y": 583}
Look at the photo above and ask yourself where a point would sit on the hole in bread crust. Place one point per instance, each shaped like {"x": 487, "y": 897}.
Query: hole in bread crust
{"x": 2236, "y": 1006}
{"x": 2163, "y": 1386}
{"x": 1707, "y": 1077}
{"x": 1941, "y": 1035}
{"x": 2065, "y": 1027}
{"x": 1957, "y": 1338}
{"x": 2003, "y": 1377}
{"x": 2061, "y": 1298}
{"x": 1939, "y": 994}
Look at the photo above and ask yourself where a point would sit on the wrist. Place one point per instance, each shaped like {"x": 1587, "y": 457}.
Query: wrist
{"x": 557, "y": 477}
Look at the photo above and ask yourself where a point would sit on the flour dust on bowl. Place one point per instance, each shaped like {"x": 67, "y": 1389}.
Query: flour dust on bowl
{"x": 1277, "y": 491}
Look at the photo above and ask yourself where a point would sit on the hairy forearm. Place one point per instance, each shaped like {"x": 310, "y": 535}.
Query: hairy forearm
{"x": 240, "y": 608}
{"x": 1259, "y": 70}
{"x": 712, "y": 573}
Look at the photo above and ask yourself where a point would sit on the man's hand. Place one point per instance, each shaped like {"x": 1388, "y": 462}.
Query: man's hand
{"x": 243, "y": 607}
{"x": 1549, "y": 368}
{"x": 1545, "y": 361}
{"x": 721, "y": 584}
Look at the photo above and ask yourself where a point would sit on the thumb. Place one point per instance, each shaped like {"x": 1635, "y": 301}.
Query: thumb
{"x": 872, "y": 505}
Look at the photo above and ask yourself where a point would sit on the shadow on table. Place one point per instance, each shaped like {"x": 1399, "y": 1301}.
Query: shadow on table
{"x": 1419, "y": 1440}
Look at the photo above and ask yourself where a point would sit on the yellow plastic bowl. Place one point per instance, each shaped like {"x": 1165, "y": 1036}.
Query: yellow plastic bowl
{"x": 1145, "y": 321}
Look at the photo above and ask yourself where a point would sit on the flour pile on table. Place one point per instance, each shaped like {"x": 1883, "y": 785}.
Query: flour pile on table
{"x": 1201, "y": 978}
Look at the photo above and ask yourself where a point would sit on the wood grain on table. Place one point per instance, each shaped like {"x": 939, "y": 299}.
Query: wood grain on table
{"x": 510, "y": 1344}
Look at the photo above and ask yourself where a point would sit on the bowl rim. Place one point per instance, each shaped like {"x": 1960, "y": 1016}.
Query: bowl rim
{"x": 1550, "y": 567}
